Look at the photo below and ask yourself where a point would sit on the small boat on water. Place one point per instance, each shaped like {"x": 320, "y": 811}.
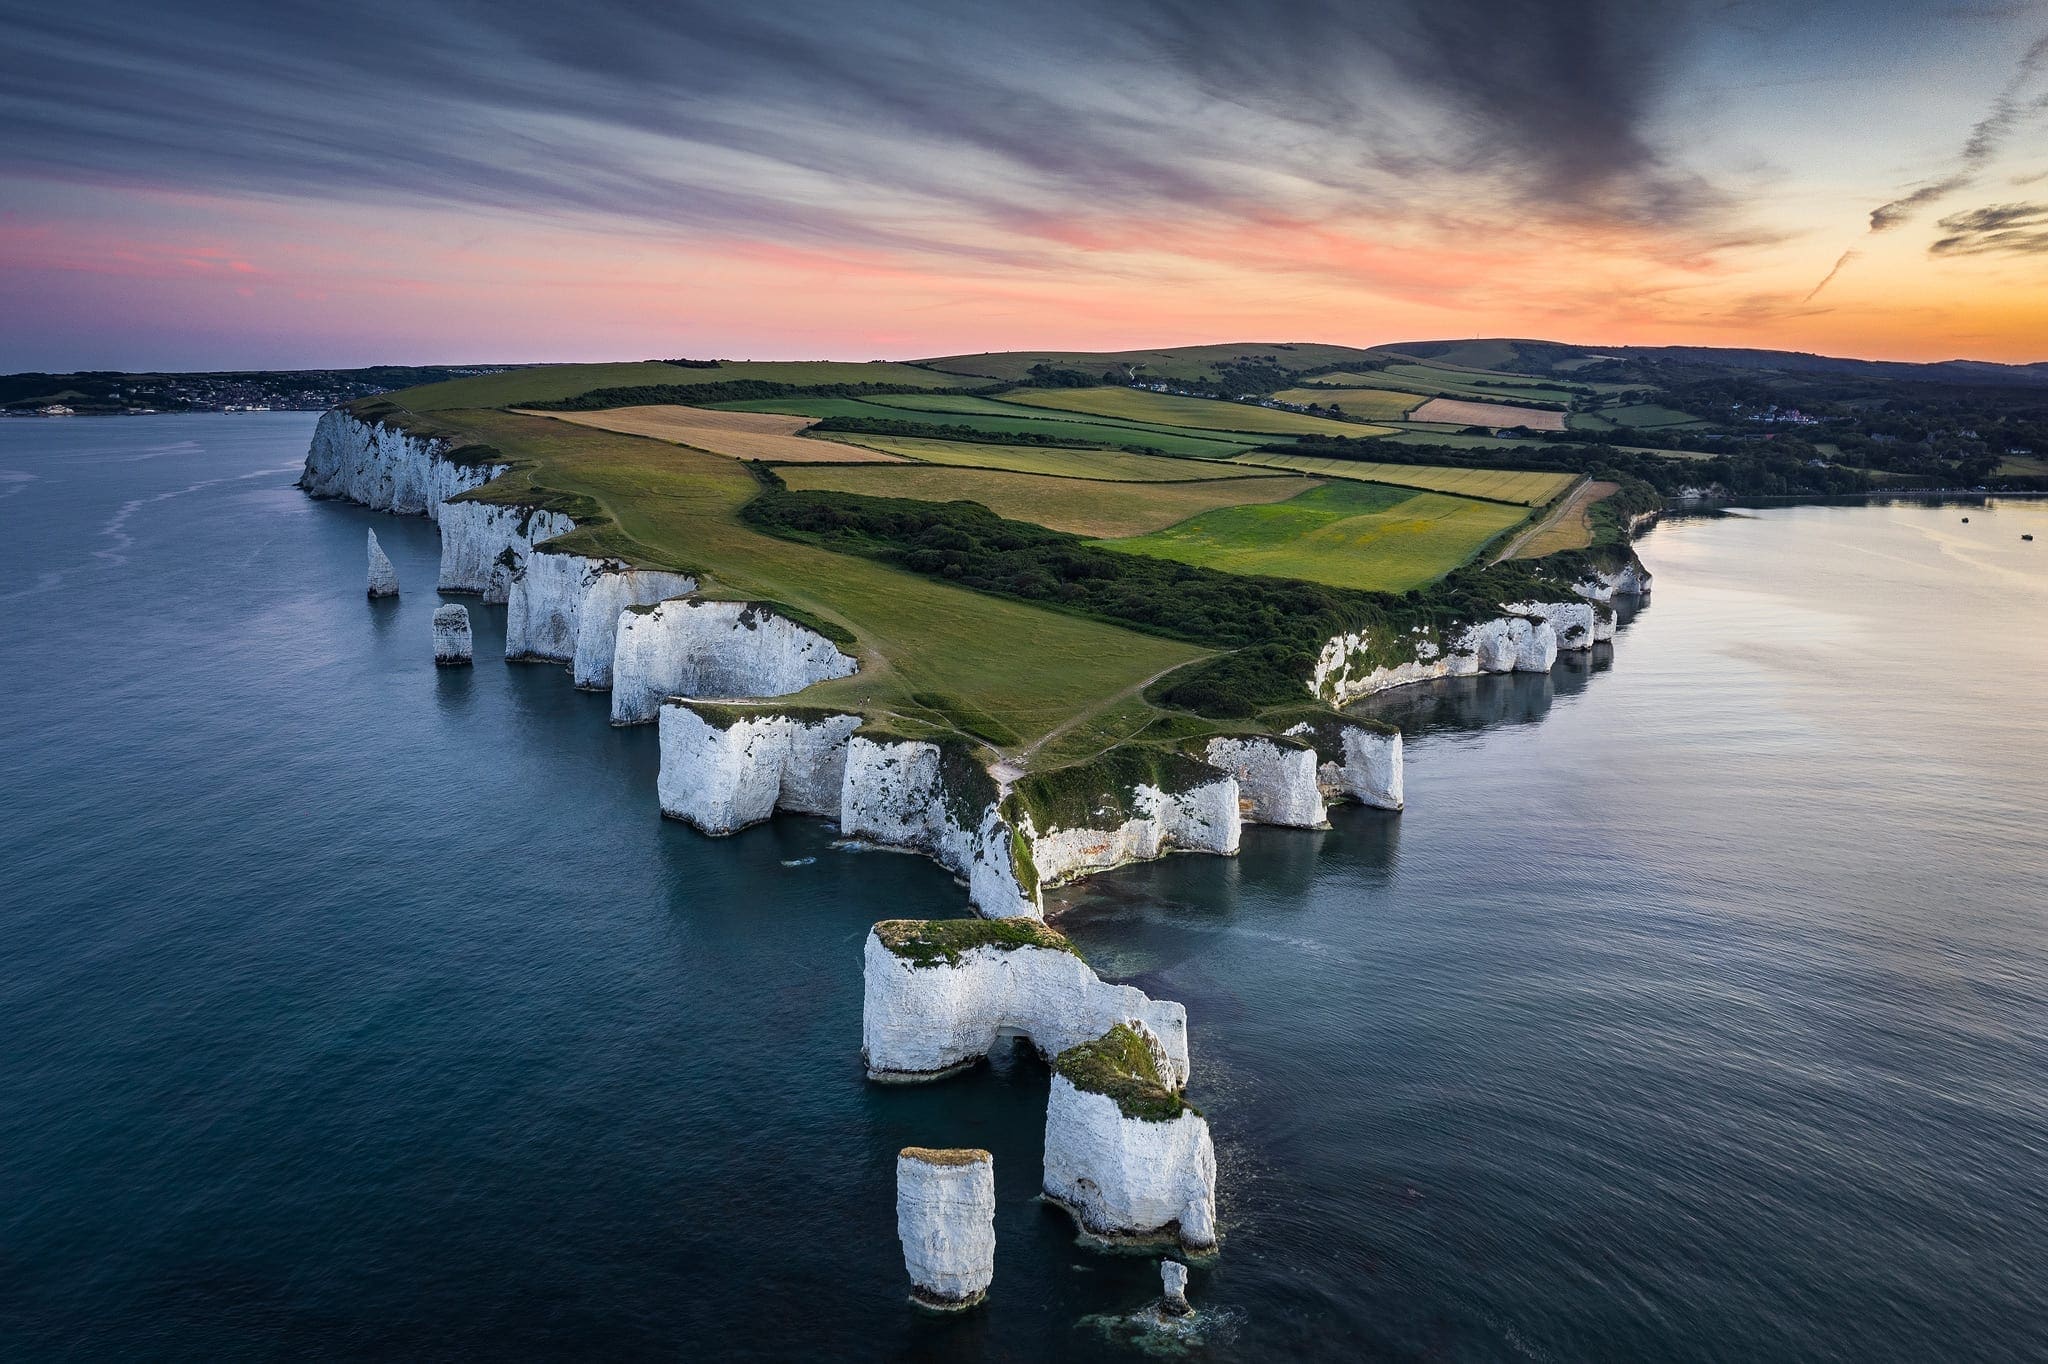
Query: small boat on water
{"x": 798, "y": 861}
{"x": 2026, "y": 537}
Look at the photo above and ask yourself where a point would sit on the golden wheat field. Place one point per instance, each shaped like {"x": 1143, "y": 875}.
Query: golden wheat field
{"x": 1457, "y": 412}
{"x": 740, "y": 435}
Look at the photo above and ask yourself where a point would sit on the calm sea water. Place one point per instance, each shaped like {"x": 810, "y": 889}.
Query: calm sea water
{"x": 1694, "y": 1010}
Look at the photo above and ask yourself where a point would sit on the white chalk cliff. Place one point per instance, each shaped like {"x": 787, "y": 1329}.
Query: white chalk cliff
{"x": 1278, "y": 780}
{"x": 564, "y": 608}
{"x": 1200, "y": 818}
{"x": 452, "y": 646}
{"x": 721, "y": 770}
{"x": 897, "y": 793}
{"x": 1630, "y": 580}
{"x": 1129, "y": 1177}
{"x": 946, "y": 1220}
{"x": 386, "y": 469}
{"x": 383, "y": 577}
{"x": 484, "y": 545}
{"x": 1356, "y": 760}
{"x": 713, "y": 649}
{"x": 924, "y": 1021}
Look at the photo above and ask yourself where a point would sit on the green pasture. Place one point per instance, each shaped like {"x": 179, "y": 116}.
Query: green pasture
{"x": 1166, "y": 409}
{"x": 552, "y": 383}
{"x": 676, "y": 507}
{"x": 1361, "y": 535}
{"x": 1077, "y": 505}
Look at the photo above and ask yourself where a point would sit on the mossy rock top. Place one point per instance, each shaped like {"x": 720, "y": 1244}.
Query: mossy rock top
{"x": 943, "y": 942}
{"x": 1120, "y": 1065}
{"x": 928, "y": 1155}
{"x": 1103, "y": 790}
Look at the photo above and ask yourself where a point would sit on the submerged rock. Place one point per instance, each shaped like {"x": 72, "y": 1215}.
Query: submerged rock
{"x": 940, "y": 994}
{"x": 451, "y": 636}
{"x": 383, "y": 577}
{"x": 1125, "y": 1153}
{"x": 1173, "y": 1282}
{"x": 946, "y": 1219}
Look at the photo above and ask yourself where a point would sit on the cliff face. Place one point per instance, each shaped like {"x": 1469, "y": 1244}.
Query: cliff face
{"x": 1356, "y": 760}
{"x": 1346, "y": 671}
{"x": 485, "y": 546}
{"x": 713, "y": 649}
{"x": 1130, "y": 1179}
{"x": 1277, "y": 780}
{"x": 452, "y": 645}
{"x": 1630, "y": 580}
{"x": 1525, "y": 638}
{"x": 896, "y": 792}
{"x": 1203, "y": 817}
{"x": 384, "y": 468}
{"x": 721, "y": 773}
{"x": 564, "y": 608}
{"x": 922, "y": 1022}
{"x": 946, "y": 1220}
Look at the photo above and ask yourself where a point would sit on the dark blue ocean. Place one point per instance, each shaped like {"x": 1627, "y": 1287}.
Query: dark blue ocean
{"x": 1695, "y": 1009}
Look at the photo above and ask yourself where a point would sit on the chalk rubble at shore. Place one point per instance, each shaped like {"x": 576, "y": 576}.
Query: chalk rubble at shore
{"x": 452, "y": 646}
{"x": 946, "y": 1220}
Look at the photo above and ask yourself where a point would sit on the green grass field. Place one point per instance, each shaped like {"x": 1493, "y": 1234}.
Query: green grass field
{"x": 551, "y": 383}
{"x": 1346, "y": 534}
{"x": 1077, "y": 505}
{"x": 994, "y": 417}
{"x": 1645, "y": 416}
{"x": 1379, "y": 404}
{"x": 2023, "y": 466}
{"x": 1455, "y": 383}
{"x": 1206, "y": 414}
{"x": 1182, "y": 362}
{"x": 1523, "y": 487}
{"x": 1119, "y": 465}
{"x": 677, "y": 507}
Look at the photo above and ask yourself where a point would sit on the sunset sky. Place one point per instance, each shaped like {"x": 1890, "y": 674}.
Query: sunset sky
{"x": 246, "y": 185}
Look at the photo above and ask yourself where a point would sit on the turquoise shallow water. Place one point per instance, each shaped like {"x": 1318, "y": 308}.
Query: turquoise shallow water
{"x": 1695, "y": 1008}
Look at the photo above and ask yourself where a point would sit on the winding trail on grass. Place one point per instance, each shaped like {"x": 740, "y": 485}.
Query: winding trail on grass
{"x": 1010, "y": 769}
{"x": 1578, "y": 503}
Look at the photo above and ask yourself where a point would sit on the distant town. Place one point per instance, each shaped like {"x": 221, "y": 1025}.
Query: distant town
{"x": 111, "y": 393}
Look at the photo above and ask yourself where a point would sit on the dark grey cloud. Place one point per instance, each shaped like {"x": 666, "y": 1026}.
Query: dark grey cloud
{"x": 864, "y": 122}
{"x": 2000, "y": 229}
{"x": 2010, "y": 109}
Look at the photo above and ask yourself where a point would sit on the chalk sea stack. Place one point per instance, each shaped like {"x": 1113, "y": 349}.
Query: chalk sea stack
{"x": 383, "y": 577}
{"x": 1125, "y": 1153}
{"x": 946, "y": 1219}
{"x": 1173, "y": 1282}
{"x": 452, "y": 647}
